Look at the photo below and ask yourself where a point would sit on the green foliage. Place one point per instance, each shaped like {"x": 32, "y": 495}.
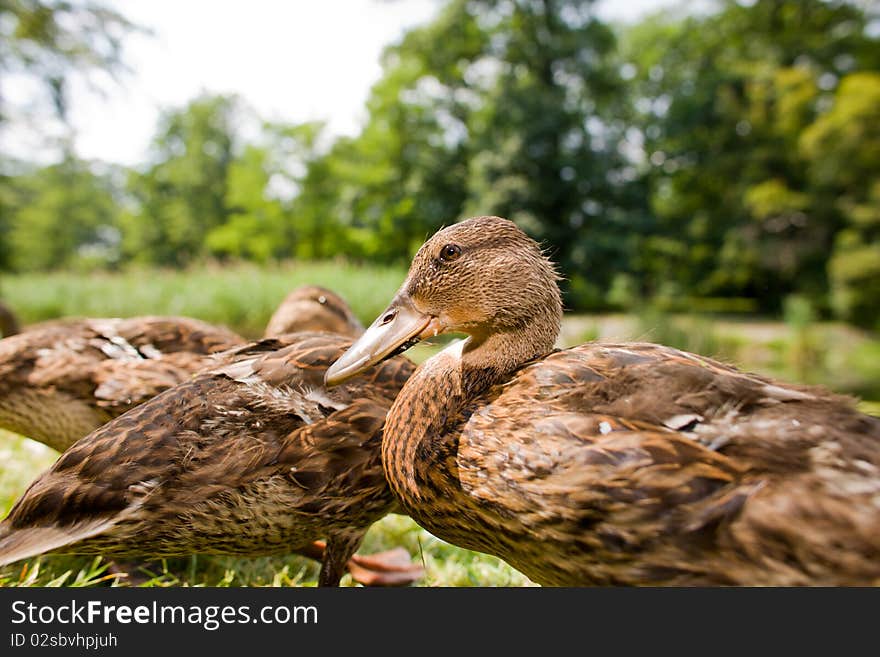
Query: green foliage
{"x": 239, "y": 295}
{"x": 263, "y": 181}
{"x": 181, "y": 196}
{"x": 545, "y": 140}
{"x": 715, "y": 162}
{"x": 722, "y": 100}
{"x": 379, "y": 194}
{"x": 689, "y": 332}
{"x": 63, "y": 215}
{"x": 843, "y": 148}
{"x": 512, "y": 115}
{"x": 806, "y": 349}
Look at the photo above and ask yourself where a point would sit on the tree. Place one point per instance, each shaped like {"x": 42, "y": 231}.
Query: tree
{"x": 62, "y": 216}
{"x": 546, "y": 144}
{"x": 181, "y": 196}
{"x": 843, "y": 150}
{"x": 379, "y": 194}
{"x": 54, "y": 40}
{"x": 721, "y": 101}
{"x": 500, "y": 108}
{"x": 262, "y": 184}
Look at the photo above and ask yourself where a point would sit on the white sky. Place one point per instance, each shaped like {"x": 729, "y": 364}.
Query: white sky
{"x": 292, "y": 60}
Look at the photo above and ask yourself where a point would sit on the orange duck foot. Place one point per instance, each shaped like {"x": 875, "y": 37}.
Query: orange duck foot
{"x": 390, "y": 568}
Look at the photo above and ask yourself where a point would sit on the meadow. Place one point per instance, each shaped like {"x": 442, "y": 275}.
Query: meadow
{"x": 795, "y": 348}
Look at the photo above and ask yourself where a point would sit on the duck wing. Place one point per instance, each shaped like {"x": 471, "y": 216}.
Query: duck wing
{"x": 166, "y": 335}
{"x": 61, "y": 354}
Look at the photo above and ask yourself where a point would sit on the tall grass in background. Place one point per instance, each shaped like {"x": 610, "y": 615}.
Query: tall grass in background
{"x": 240, "y": 296}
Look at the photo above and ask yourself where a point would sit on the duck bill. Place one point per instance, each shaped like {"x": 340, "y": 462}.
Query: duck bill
{"x": 398, "y": 328}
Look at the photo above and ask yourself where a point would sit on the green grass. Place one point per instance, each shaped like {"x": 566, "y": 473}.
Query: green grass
{"x": 240, "y": 296}
{"x": 244, "y": 296}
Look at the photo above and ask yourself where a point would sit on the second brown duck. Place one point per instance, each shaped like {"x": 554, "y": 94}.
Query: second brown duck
{"x": 253, "y": 457}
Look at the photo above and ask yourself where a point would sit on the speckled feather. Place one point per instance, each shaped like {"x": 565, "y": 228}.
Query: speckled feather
{"x": 253, "y": 457}
{"x": 627, "y": 464}
{"x": 62, "y": 379}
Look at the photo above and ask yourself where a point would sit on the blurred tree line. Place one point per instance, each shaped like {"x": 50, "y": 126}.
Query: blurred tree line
{"x": 725, "y": 161}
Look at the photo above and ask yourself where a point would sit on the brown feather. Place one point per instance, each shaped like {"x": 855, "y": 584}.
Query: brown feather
{"x": 62, "y": 379}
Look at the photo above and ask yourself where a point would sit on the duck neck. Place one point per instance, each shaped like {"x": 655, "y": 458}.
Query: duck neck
{"x": 422, "y": 429}
{"x": 485, "y": 360}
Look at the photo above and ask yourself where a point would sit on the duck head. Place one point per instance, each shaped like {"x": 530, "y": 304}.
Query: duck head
{"x": 313, "y": 308}
{"x": 483, "y": 277}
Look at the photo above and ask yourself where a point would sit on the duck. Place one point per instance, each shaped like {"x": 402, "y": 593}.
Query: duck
{"x": 62, "y": 379}
{"x": 620, "y": 464}
{"x": 251, "y": 457}
{"x": 313, "y": 308}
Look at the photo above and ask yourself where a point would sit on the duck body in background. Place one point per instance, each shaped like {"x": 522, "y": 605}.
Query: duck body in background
{"x": 619, "y": 464}
{"x": 62, "y": 379}
{"x": 252, "y": 457}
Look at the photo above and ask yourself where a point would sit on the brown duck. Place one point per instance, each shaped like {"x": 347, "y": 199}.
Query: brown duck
{"x": 253, "y": 457}
{"x": 62, "y": 379}
{"x": 615, "y": 464}
{"x": 313, "y": 308}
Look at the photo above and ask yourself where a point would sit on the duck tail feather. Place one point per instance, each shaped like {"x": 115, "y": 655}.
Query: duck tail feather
{"x": 17, "y": 544}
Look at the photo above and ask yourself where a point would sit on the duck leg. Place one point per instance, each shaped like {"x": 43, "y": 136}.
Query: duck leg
{"x": 389, "y": 568}
{"x": 337, "y": 552}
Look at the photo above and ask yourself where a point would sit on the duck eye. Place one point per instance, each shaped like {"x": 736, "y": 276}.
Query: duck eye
{"x": 450, "y": 252}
